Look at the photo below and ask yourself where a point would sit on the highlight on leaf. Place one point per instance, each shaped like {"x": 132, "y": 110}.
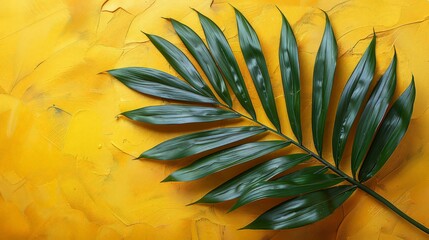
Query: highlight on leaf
{"x": 199, "y": 51}
{"x": 235, "y": 187}
{"x": 289, "y": 67}
{"x": 351, "y": 99}
{"x": 373, "y": 114}
{"x": 179, "y": 114}
{"x": 323, "y": 79}
{"x": 225, "y": 60}
{"x": 310, "y": 192}
{"x": 194, "y": 143}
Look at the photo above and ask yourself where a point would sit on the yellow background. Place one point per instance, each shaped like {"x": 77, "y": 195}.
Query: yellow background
{"x": 66, "y": 168}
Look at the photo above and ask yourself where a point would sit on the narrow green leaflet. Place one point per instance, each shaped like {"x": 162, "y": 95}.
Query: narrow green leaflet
{"x": 199, "y": 51}
{"x": 303, "y": 210}
{"x": 323, "y": 78}
{"x": 226, "y": 62}
{"x": 178, "y": 60}
{"x": 389, "y": 135}
{"x": 179, "y": 114}
{"x": 159, "y": 84}
{"x": 303, "y": 172}
{"x": 373, "y": 114}
{"x": 351, "y": 99}
{"x": 281, "y": 189}
{"x": 236, "y": 186}
{"x": 194, "y": 143}
{"x": 225, "y": 159}
{"x": 252, "y": 52}
{"x": 289, "y": 66}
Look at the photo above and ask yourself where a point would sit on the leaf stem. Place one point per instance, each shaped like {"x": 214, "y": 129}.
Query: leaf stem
{"x": 336, "y": 170}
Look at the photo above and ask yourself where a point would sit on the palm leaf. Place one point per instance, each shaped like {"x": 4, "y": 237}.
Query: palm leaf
{"x": 314, "y": 189}
{"x": 179, "y": 114}
{"x": 194, "y": 143}
{"x": 180, "y": 63}
{"x": 390, "y": 133}
{"x": 252, "y": 52}
{"x": 225, "y": 159}
{"x": 303, "y": 210}
{"x": 199, "y": 51}
{"x": 351, "y": 99}
{"x": 226, "y": 62}
{"x": 373, "y": 114}
{"x": 282, "y": 188}
{"x": 159, "y": 84}
{"x": 323, "y": 78}
{"x": 289, "y": 67}
{"x": 234, "y": 187}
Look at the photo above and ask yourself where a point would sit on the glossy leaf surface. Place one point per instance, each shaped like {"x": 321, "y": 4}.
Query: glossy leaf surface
{"x": 225, "y": 159}
{"x": 226, "y": 62}
{"x": 236, "y": 186}
{"x": 199, "y": 51}
{"x": 178, "y": 60}
{"x": 159, "y": 84}
{"x": 389, "y": 135}
{"x": 351, "y": 99}
{"x": 289, "y": 66}
{"x": 179, "y": 114}
{"x": 303, "y": 172}
{"x": 252, "y": 52}
{"x": 303, "y": 210}
{"x": 194, "y": 143}
{"x": 373, "y": 114}
{"x": 323, "y": 78}
{"x": 280, "y": 189}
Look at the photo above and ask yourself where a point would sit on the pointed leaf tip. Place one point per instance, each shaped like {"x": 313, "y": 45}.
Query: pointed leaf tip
{"x": 256, "y": 64}
{"x": 227, "y": 158}
{"x": 199, "y": 51}
{"x": 289, "y": 68}
{"x": 227, "y": 63}
{"x": 181, "y": 64}
{"x": 234, "y": 187}
{"x": 390, "y": 133}
{"x": 323, "y": 78}
{"x": 169, "y": 178}
{"x": 351, "y": 100}
{"x": 199, "y": 142}
{"x": 373, "y": 114}
{"x": 303, "y": 210}
{"x": 173, "y": 114}
{"x": 159, "y": 84}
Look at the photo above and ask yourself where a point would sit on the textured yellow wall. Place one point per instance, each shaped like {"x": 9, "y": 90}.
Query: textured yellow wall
{"x": 66, "y": 168}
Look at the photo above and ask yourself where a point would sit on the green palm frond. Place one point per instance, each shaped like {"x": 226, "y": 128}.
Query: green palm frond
{"x": 312, "y": 192}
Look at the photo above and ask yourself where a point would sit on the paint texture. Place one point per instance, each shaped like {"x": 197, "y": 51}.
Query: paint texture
{"x": 66, "y": 168}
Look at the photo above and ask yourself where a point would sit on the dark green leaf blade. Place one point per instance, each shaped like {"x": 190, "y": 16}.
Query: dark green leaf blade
{"x": 351, "y": 99}
{"x": 303, "y": 172}
{"x": 252, "y": 52}
{"x": 179, "y": 114}
{"x": 159, "y": 84}
{"x": 280, "y": 189}
{"x": 389, "y": 135}
{"x": 194, "y": 143}
{"x": 226, "y": 61}
{"x": 199, "y": 51}
{"x": 373, "y": 114}
{"x": 323, "y": 78}
{"x": 224, "y": 159}
{"x": 289, "y": 66}
{"x": 236, "y": 186}
{"x": 178, "y": 60}
{"x": 303, "y": 210}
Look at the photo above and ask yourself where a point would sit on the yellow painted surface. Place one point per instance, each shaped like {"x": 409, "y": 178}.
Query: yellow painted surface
{"x": 66, "y": 168}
